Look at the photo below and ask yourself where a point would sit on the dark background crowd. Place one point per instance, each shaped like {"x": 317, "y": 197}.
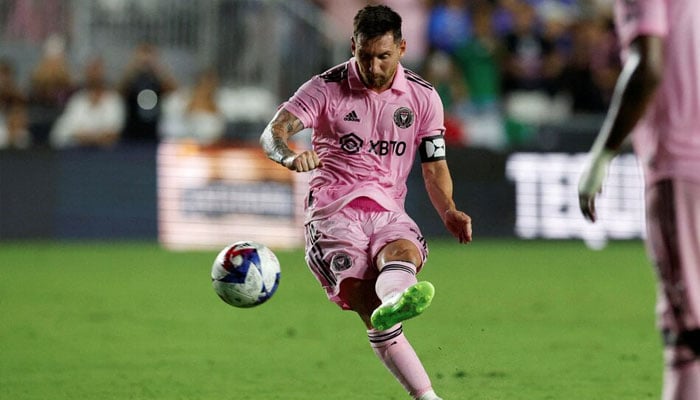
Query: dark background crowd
{"x": 507, "y": 70}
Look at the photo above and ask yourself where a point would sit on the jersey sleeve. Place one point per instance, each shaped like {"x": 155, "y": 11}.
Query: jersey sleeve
{"x": 433, "y": 118}
{"x": 308, "y": 102}
{"x": 640, "y": 17}
{"x": 431, "y": 136}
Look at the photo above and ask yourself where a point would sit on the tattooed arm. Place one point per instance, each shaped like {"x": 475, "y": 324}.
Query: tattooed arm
{"x": 274, "y": 141}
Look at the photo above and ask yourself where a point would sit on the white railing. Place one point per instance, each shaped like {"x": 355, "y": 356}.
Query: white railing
{"x": 271, "y": 44}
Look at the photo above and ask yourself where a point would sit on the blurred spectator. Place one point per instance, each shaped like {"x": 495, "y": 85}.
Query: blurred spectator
{"x": 527, "y": 55}
{"x": 51, "y": 84}
{"x": 34, "y": 20}
{"x": 441, "y": 72}
{"x": 144, "y": 84}
{"x": 532, "y": 69}
{"x": 449, "y": 25}
{"x": 444, "y": 75}
{"x": 479, "y": 59}
{"x": 13, "y": 110}
{"x": 605, "y": 58}
{"x": 590, "y": 77}
{"x": 94, "y": 116}
{"x": 338, "y": 23}
{"x": 479, "y": 62}
{"x": 195, "y": 113}
{"x": 503, "y": 16}
{"x": 556, "y": 18}
{"x": 414, "y": 14}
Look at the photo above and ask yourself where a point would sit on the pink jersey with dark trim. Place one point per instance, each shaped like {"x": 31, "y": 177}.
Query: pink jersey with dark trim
{"x": 667, "y": 140}
{"x": 367, "y": 141}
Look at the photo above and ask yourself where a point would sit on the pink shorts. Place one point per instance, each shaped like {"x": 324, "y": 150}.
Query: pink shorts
{"x": 673, "y": 223}
{"x": 345, "y": 244}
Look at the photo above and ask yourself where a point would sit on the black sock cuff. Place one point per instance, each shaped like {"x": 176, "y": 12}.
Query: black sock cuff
{"x": 400, "y": 266}
{"x": 378, "y": 337}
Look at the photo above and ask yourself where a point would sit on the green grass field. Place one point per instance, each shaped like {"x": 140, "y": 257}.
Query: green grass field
{"x": 510, "y": 320}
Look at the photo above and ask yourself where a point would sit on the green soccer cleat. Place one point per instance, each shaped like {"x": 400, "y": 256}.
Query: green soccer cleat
{"x": 408, "y": 304}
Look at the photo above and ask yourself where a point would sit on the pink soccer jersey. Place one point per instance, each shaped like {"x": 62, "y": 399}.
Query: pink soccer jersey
{"x": 667, "y": 140}
{"x": 367, "y": 141}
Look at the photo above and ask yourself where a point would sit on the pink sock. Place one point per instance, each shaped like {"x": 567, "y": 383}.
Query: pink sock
{"x": 392, "y": 347}
{"x": 395, "y": 277}
{"x": 682, "y": 381}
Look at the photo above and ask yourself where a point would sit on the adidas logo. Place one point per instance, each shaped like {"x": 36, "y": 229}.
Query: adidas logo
{"x": 351, "y": 116}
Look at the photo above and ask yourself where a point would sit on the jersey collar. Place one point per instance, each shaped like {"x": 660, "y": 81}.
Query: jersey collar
{"x": 399, "y": 84}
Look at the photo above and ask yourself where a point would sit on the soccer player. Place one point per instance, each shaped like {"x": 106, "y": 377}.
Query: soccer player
{"x": 658, "y": 97}
{"x": 370, "y": 116}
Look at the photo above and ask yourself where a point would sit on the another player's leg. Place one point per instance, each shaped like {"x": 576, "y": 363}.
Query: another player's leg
{"x": 673, "y": 212}
{"x": 681, "y": 374}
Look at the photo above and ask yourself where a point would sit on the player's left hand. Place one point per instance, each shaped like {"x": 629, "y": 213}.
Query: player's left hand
{"x": 459, "y": 224}
{"x": 591, "y": 181}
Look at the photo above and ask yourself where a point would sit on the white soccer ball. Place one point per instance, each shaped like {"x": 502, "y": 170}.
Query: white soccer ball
{"x": 245, "y": 274}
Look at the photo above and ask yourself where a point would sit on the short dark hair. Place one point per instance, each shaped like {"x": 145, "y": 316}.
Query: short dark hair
{"x": 374, "y": 21}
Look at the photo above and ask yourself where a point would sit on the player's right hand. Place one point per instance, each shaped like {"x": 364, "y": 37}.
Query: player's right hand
{"x": 591, "y": 181}
{"x": 459, "y": 224}
{"x": 303, "y": 162}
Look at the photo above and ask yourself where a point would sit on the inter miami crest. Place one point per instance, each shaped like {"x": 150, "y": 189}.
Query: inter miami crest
{"x": 403, "y": 117}
{"x": 340, "y": 262}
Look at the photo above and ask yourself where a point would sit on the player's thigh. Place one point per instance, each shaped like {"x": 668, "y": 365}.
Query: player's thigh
{"x": 338, "y": 249}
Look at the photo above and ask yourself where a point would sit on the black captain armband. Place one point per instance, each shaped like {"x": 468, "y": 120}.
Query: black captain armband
{"x": 432, "y": 148}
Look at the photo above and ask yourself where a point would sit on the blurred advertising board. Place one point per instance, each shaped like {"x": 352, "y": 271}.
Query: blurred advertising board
{"x": 193, "y": 197}
{"x": 546, "y": 198}
{"x": 211, "y": 196}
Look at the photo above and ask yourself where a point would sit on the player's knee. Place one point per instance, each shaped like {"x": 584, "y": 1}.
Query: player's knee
{"x": 400, "y": 250}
